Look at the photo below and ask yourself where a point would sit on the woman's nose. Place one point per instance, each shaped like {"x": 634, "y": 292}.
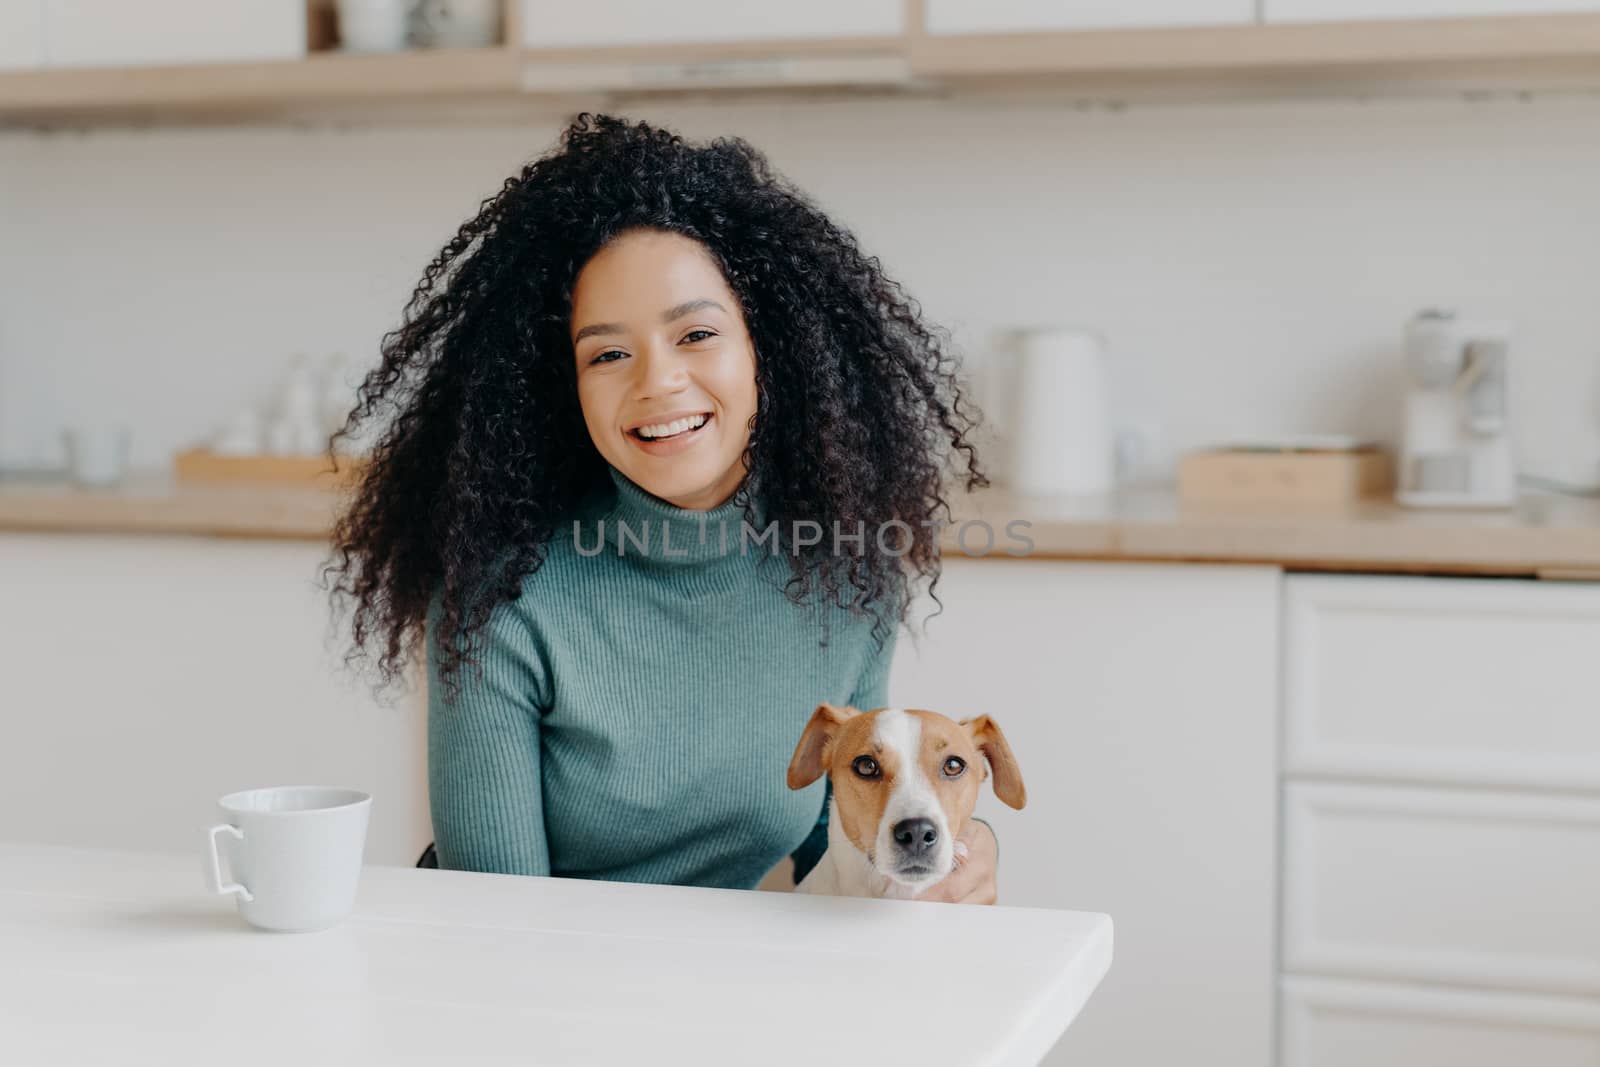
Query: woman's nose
{"x": 661, "y": 372}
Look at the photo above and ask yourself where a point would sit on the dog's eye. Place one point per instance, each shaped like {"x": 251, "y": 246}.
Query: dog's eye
{"x": 954, "y": 766}
{"x": 865, "y": 766}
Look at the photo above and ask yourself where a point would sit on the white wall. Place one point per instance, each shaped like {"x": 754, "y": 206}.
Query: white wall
{"x": 1252, "y": 262}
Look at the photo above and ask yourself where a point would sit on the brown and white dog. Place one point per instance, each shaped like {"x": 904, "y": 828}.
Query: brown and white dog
{"x": 905, "y": 782}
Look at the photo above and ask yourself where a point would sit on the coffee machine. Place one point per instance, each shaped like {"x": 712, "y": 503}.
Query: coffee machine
{"x": 1456, "y": 447}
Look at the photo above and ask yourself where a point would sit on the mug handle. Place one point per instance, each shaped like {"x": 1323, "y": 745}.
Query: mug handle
{"x": 216, "y": 863}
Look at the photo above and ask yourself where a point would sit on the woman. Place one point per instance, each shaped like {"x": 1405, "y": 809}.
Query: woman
{"x": 661, "y": 464}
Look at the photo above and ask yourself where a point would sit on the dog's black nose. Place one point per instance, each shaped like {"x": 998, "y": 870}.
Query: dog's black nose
{"x": 916, "y": 836}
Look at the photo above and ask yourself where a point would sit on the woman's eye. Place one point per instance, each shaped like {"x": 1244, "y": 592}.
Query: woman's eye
{"x": 610, "y": 355}
{"x": 698, "y": 335}
{"x": 954, "y": 766}
{"x": 865, "y": 766}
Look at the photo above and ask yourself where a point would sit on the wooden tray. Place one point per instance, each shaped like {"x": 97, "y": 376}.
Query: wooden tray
{"x": 201, "y": 465}
{"x": 1288, "y": 476}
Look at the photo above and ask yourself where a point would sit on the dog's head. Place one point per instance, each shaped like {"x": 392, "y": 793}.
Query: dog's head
{"x": 905, "y": 782}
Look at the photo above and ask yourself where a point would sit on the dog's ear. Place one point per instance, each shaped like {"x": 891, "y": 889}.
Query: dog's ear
{"x": 985, "y": 733}
{"x": 811, "y": 754}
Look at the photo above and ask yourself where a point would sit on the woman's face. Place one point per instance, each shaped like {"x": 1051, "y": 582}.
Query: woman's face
{"x": 666, "y": 369}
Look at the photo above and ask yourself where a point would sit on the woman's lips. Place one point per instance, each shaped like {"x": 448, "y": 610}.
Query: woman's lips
{"x": 671, "y": 446}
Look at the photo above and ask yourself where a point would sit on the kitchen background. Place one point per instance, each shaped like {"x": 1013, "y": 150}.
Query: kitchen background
{"x": 1251, "y": 262}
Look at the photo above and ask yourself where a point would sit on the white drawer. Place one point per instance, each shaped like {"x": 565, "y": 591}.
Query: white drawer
{"x": 1339, "y": 10}
{"x": 1454, "y": 886}
{"x": 98, "y": 33}
{"x": 1329, "y": 1023}
{"x": 1451, "y": 680}
{"x": 21, "y": 34}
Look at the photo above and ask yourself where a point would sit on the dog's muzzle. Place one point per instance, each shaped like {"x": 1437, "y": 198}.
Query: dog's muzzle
{"x": 916, "y": 848}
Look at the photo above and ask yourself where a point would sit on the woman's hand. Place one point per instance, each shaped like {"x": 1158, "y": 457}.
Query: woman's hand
{"x": 973, "y": 880}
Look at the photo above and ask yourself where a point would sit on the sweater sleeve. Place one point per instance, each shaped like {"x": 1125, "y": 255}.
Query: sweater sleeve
{"x": 484, "y": 787}
{"x": 871, "y": 691}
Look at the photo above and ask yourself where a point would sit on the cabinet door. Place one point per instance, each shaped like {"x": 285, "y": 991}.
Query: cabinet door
{"x": 1489, "y": 888}
{"x": 147, "y": 676}
{"x": 21, "y": 34}
{"x": 1140, "y": 702}
{"x": 1022, "y": 16}
{"x": 601, "y": 23}
{"x": 1344, "y": 10}
{"x": 1450, "y": 680}
{"x": 1329, "y": 1023}
{"x": 95, "y": 33}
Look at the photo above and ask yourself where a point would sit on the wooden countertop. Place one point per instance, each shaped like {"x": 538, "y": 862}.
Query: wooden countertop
{"x": 152, "y": 505}
{"x": 1547, "y": 534}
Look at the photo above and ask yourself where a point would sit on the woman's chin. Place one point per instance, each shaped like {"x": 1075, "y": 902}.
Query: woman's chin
{"x": 687, "y": 482}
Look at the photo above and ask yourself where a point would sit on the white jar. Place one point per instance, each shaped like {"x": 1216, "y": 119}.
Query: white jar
{"x": 1062, "y": 441}
{"x": 374, "y": 25}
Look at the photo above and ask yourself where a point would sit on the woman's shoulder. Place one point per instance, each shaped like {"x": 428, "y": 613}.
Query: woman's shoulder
{"x": 549, "y": 574}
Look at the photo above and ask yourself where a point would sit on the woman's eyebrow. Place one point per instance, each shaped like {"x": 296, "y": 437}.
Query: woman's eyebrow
{"x": 597, "y": 327}
{"x": 690, "y": 305}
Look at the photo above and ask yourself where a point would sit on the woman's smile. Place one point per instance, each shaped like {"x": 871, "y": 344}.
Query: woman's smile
{"x": 666, "y": 427}
{"x": 674, "y": 437}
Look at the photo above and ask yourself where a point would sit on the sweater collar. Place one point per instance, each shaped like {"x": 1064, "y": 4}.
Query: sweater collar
{"x": 642, "y": 525}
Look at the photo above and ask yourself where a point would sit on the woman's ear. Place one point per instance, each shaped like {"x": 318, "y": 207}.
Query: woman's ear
{"x": 985, "y": 733}
{"x": 811, "y": 754}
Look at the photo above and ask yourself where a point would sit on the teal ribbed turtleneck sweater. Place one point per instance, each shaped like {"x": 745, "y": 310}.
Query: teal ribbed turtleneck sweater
{"x": 639, "y": 705}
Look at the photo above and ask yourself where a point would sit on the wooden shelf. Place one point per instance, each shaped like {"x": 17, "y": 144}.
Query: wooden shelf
{"x": 489, "y": 81}
{"x": 1453, "y": 54}
{"x": 323, "y": 78}
{"x": 1524, "y": 52}
{"x": 1298, "y": 46}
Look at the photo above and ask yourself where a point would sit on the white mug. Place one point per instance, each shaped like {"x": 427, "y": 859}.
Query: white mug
{"x": 294, "y": 853}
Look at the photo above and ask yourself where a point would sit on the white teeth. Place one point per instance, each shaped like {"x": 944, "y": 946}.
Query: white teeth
{"x": 667, "y": 429}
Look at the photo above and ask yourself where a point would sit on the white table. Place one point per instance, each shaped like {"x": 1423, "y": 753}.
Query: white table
{"x": 123, "y": 957}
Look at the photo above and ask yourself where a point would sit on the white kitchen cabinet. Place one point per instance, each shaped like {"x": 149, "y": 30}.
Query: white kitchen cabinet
{"x": 1141, "y": 703}
{"x": 1332, "y": 1023}
{"x": 1441, "y": 857}
{"x": 1348, "y": 10}
{"x": 99, "y": 33}
{"x": 1449, "y": 680}
{"x": 21, "y": 34}
{"x": 1024, "y": 16}
{"x": 147, "y": 676}
{"x": 602, "y": 23}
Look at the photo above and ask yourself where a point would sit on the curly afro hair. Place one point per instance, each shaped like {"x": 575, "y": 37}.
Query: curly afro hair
{"x": 481, "y": 451}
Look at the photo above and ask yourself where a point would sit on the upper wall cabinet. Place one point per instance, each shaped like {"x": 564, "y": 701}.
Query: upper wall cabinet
{"x": 1023, "y": 16}
{"x": 1345, "y": 10}
{"x": 605, "y": 23}
{"x": 21, "y": 34}
{"x": 115, "y": 33}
